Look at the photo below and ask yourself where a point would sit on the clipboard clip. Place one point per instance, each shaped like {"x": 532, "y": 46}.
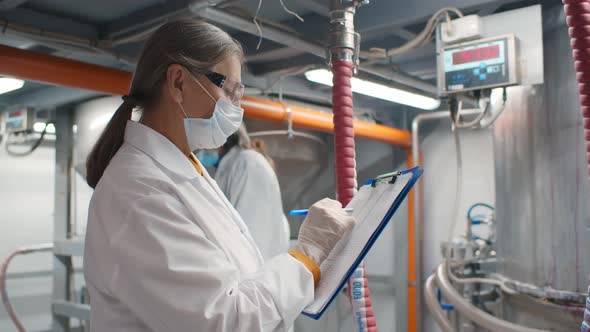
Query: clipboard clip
{"x": 391, "y": 176}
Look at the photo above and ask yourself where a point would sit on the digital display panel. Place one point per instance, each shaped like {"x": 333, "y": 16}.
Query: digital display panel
{"x": 15, "y": 114}
{"x": 479, "y": 64}
{"x": 476, "y": 54}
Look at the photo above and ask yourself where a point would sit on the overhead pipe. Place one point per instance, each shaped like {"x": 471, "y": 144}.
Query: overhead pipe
{"x": 50, "y": 69}
{"x": 54, "y": 70}
{"x": 401, "y": 78}
{"x": 267, "y": 110}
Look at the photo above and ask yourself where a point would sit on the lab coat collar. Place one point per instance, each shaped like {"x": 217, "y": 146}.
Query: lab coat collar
{"x": 160, "y": 149}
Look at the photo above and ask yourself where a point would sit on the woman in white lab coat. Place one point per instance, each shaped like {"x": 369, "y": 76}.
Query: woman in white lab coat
{"x": 246, "y": 175}
{"x": 165, "y": 250}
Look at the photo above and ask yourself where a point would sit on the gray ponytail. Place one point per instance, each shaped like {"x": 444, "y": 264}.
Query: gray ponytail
{"x": 196, "y": 45}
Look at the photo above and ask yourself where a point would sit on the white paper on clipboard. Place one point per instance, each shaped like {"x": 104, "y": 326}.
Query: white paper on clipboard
{"x": 372, "y": 206}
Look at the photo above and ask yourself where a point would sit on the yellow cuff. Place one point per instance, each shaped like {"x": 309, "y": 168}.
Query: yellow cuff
{"x": 309, "y": 264}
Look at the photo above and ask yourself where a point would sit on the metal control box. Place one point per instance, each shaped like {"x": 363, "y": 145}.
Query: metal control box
{"x": 480, "y": 64}
{"x": 19, "y": 120}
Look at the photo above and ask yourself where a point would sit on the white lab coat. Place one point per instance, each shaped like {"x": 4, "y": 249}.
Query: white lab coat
{"x": 251, "y": 186}
{"x": 165, "y": 251}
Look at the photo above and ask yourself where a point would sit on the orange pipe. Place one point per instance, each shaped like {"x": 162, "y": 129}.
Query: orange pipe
{"x": 59, "y": 71}
{"x": 263, "y": 109}
{"x": 412, "y": 320}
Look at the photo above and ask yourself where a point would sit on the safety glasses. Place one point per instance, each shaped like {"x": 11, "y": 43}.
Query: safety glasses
{"x": 233, "y": 89}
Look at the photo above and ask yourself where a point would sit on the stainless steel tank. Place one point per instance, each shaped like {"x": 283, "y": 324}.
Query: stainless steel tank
{"x": 542, "y": 192}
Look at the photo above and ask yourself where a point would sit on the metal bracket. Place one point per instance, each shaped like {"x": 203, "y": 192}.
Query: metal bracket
{"x": 357, "y": 51}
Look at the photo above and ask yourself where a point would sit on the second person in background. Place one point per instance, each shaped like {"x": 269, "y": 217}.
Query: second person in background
{"x": 246, "y": 175}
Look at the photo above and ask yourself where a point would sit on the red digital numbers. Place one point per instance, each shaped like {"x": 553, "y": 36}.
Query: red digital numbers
{"x": 15, "y": 114}
{"x": 476, "y": 54}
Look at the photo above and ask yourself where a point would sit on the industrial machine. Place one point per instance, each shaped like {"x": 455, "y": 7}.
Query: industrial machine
{"x": 518, "y": 276}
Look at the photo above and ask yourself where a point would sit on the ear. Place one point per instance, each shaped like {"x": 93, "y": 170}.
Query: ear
{"x": 175, "y": 76}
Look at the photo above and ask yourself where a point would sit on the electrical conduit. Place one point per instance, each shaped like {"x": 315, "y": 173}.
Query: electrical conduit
{"x": 578, "y": 20}
{"x": 346, "y": 183}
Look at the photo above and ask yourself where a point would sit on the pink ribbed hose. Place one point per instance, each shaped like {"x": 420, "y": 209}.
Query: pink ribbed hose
{"x": 343, "y": 131}
{"x": 346, "y": 183}
{"x": 578, "y": 21}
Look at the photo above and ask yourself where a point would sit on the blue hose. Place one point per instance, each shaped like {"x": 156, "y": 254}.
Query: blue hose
{"x": 473, "y": 219}
{"x": 443, "y": 306}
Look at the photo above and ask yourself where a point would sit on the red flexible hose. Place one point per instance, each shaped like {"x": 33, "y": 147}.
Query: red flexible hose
{"x": 346, "y": 184}
{"x": 4, "y": 293}
{"x": 578, "y": 21}
{"x": 343, "y": 131}
{"x": 3, "y": 271}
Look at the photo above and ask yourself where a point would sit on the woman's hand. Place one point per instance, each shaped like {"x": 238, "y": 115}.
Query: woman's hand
{"x": 326, "y": 223}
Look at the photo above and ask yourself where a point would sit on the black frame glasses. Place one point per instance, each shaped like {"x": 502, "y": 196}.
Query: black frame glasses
{"x": 234, "y": 89}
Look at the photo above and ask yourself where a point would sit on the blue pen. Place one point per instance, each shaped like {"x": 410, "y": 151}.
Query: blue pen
{"x": 304, "y": 212}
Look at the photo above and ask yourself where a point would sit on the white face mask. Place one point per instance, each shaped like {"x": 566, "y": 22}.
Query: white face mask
{"x": 213, "y": 132}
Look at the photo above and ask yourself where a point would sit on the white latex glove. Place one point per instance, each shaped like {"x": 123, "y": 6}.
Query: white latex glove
{"x": 325, "y": 224}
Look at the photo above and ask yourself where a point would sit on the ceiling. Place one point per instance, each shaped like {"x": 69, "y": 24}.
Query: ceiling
{"x": 382, "y": 23}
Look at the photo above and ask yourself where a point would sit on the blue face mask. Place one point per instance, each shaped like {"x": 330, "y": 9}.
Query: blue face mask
{"x": 208, "y": 158}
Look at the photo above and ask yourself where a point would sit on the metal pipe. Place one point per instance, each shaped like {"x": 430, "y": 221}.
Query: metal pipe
{"x": 401, "y": 78}
{"x": 434, "y": 306}
{"x": 410, "y": 295}
{"x": 286, "y": 133}
{"x": 472, "y": 313}
{"x": 419, "y": 229}
{"x": 273, "y": 55}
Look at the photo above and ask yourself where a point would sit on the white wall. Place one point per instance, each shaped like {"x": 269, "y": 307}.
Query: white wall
{"x": 26, "y": 203}
{"x": 439, "y": 178}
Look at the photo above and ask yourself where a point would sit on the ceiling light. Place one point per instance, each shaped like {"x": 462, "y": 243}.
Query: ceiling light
{"x": 40, "y": 126}
{"x": 8, "y": 84}
{"x": 51, "y": 128}
{"x": 323, "y": 76}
